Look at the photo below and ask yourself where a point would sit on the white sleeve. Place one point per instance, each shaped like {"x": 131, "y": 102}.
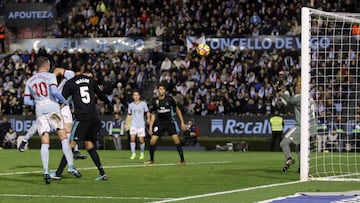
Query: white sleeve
{"x": 68, "y": 74}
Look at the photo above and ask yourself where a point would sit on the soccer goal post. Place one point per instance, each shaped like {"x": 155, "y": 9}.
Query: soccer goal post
{"x": 330, "y": 74}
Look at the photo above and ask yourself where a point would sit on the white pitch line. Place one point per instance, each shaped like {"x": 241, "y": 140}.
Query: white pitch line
{"x": 225, "y": 192}
{"x": 120, "y": 166}
{"x": 79, "y": 197}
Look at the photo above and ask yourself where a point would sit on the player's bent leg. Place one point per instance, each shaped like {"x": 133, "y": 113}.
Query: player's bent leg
{"x": 44, "y": 151}
{"x": 89, "y": 145}
{"x": 132, "y": 145}
{"x": 154, "y": 139}
{"x": 142, "y": 147}
{"x": 152, "y": 147}
{"x": 66, "y": 148}
{"x": 176, "y": 140}
{"x": 76, "y": 153}
{"x": 31, "y": 132}
{"x": 285, "y": 147}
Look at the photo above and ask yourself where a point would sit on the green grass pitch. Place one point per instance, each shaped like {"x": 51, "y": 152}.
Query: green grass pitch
{"x": 207, "y": 177}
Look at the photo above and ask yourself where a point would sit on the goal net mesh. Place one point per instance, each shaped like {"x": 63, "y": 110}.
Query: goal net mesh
{"x": 335, "y": 86}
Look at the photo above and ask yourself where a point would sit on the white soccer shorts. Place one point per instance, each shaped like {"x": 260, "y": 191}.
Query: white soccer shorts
{"x": 66, "y": 114}
{"x": 47, "y": 121}
{"x": 140, "y": 132}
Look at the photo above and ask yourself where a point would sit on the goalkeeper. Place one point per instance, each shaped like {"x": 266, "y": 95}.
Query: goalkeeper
{"x": 293, "y": 135}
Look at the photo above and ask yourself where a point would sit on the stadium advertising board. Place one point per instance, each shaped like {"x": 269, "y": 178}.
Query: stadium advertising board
{"x": 265, "y": 42}
{"x": 116, "y": 44}
{"x": 235, "y": 126}
{"x": 216, "y": 126}
{"x": 18, "y": 15}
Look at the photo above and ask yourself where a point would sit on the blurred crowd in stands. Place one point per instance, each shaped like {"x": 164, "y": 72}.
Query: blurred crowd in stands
{"x": 240, "y": 82}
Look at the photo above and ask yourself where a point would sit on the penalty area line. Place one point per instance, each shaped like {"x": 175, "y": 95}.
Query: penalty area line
{"x": 80, "y": 197}
{"x": 225, "y": 192}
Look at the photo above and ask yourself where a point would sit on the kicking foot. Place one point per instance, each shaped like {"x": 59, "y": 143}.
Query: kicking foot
{"x": 77, "y": 155}
{"x": 22, "y": 146}
{"x": 287, "y": 165}
{"x": 73, "y": 171}
{"x": 54, "y": 176}
{"x": 101, "y": 178}
{"x": 290, "y": 161}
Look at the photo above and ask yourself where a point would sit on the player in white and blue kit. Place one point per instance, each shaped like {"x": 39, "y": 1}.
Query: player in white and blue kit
{"x": 136, "y": 121}
{"x": 42, "y": 87}
{"x": 64, "y": 111}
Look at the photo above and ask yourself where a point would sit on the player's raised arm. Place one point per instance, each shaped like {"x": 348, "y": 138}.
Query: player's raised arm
{"x": 55, "y": 91}
{"x": 67, "y": 74}
{"x": 59, "y": 71}
{"x": 100, "y": 93}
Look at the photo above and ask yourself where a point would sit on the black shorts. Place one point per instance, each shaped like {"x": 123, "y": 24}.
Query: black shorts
{"x": 160, "y": 128}
{"x": 85, "y": 130}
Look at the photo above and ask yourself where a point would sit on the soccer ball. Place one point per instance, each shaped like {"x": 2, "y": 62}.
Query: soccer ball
{"x": 203, "y": 49}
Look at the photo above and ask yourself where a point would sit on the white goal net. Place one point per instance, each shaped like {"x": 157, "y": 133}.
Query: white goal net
{"x": 330, "y": 74}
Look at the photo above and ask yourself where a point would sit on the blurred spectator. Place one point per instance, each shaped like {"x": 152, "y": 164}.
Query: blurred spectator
{"x": 4, "y": 128}
{"x": 2, "y": 39}
{"x": 191, "y": 134}
{"x": 10, "y": 139}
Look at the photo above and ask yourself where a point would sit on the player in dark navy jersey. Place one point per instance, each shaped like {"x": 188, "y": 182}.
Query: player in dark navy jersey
{"x": 162, "y": 120}
{"x": 82, "y": 89}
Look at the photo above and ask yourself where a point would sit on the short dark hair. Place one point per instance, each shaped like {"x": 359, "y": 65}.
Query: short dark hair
{"x": 41, "y": 61}
{"x": 162, "y": 84}
{"x": 88, "y": 71}
{"x": 77, "y": 65}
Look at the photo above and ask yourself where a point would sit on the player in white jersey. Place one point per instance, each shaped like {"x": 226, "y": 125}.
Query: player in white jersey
{"x": 135, "y": 120}
{"x": 42, "y": 87}
{"x": 64, "y": 111}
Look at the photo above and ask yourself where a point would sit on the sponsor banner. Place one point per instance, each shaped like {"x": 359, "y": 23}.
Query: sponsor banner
{"x": 19, "y": 15}
{"x": 220, "y": 126}
{"x": 237, "y": 126}
{"x": 105, "y": 44}
{"x": 266, "y": 42}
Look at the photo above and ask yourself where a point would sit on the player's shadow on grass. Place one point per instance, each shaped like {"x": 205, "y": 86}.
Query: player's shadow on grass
{"x": 21, "y": 179}
{"x": 26, "y": 166}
